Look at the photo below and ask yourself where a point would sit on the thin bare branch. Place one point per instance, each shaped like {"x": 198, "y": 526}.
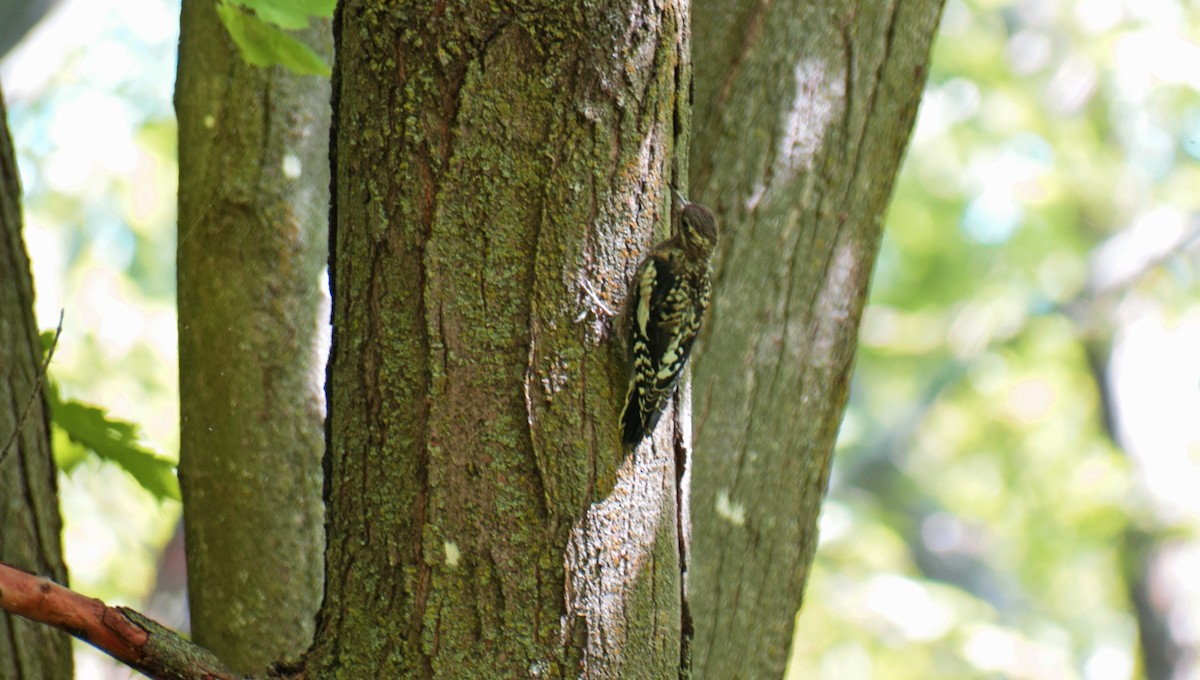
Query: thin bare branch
{"x": 37, "y": 389}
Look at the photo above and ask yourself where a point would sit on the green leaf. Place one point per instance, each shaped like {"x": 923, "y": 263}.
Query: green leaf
{"x": 263, "y": 44}
{"x": 114, "y": 441}
{"x": 68, "y": 454}
{"x": 292, "y": 14}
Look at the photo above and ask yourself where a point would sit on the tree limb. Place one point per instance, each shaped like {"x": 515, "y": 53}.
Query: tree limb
{"x": 120, "y": 632}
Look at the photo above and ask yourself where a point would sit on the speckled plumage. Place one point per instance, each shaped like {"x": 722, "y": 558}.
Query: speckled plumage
{"x": 668, "y": 299}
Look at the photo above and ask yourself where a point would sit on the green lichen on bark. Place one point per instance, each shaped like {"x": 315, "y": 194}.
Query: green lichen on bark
{"x": 498, "y": 171}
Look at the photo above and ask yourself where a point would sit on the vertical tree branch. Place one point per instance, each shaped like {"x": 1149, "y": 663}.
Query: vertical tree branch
{"x": 802, "y": 114}
{"x": 253, "y": 212}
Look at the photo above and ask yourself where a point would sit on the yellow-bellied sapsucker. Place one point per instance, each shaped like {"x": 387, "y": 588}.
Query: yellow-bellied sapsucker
{"x": 666, "y": 303}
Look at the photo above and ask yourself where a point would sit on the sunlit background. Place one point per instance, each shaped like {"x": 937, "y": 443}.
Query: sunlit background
{"x": 89, "y": 101}
{"x": 1017, "y": 488}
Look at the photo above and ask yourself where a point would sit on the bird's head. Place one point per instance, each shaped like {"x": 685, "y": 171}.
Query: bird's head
{"x": 697, "y": 229}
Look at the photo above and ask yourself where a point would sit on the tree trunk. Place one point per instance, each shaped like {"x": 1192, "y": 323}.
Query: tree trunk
{"x": 802, "y": 114}
{"x": 253, "y": 214}
{"x": 497, "y": 177}
{"x": 30, "y": 526}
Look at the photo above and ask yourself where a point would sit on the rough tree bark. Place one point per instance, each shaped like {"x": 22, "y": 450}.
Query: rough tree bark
{"x": 802, "y": 114}
{"x": 30, "y": 527}
{"x": 253, "y": 215}
{"x": 498, "y": 173}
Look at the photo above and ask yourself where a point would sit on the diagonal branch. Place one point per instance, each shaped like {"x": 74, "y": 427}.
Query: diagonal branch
{"x": 37, "y": 389}
{"x": 120, "y": 632}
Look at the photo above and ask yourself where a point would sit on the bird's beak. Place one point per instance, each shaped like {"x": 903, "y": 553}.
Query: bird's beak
{"x": 679, "y": 197}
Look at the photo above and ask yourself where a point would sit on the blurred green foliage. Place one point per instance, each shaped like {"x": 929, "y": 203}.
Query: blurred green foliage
{"x": 977, "y": 516}
{"x": 81, "y": 430}
{"x": 979, "y": 512}
{"x": 92, "y": 431}
{"x": 260, "y": 30}
{"x": 90, "y": 113}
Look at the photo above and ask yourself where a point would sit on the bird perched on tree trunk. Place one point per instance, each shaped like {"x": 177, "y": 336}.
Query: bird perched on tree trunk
{"x": 667, "y": 301}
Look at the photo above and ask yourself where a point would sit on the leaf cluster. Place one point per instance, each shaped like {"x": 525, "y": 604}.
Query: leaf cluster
{"x": 262, "y": 30}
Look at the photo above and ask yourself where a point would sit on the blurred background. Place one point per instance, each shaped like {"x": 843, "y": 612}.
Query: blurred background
{"x": 88, "y": 89}
{"x": 1016, "y": 492}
